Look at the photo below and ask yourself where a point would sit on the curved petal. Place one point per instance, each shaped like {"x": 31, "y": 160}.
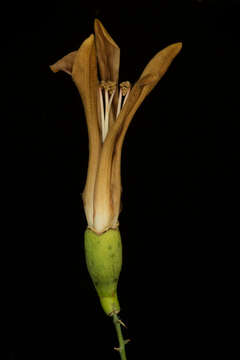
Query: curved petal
{"x": 108, "y": 55}
{"x": 85, "y": 77}
{"x": 153, "y": 72}
{"x": 151, "y": 75}
{"x": 65, "y": 64}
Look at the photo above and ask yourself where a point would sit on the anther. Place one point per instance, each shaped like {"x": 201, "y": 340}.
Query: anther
{"x": 125, "y": 86}
{"x": 109, "y": 88}
{"x": 124, "y": 91}
{"x": 103, "y": 84}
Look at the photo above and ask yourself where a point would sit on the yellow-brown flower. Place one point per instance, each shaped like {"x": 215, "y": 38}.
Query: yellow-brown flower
{"x": 109, "y": 110}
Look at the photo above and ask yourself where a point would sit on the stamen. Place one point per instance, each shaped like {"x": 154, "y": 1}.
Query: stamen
{"x": 111, "y": 86}
{"x": 112, "y": 90}
{"x": 125, "y": 86}
{"x": 102, "y": 111}
{"x": 111, "y": 97}
{"x": 106, "y": 100}
{"x": 125, "y": 99}
{"x": 109, "y": 89}
{"x": 103, "y": 84}
{"x": 119, "y": 102}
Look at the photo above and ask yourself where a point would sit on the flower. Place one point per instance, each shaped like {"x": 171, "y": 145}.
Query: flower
{"x": 109, "y": 110}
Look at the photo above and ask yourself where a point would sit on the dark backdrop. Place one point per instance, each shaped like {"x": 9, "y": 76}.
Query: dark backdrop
{"x": 177, "y": 159}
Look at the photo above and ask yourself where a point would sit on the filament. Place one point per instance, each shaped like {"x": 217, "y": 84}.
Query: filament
{"x": 102, "y": 111}
{"x": 106, "y": 99}
{"x": 119, "y": 102}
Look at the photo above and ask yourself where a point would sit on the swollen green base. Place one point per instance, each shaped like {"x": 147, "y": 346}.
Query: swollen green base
{"x": 104, "y": 261}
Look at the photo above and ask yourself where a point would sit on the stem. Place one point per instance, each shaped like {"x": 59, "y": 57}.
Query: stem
{"x": 121, "y": 341}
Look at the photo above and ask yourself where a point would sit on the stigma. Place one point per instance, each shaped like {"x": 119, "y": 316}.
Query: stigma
{"x": 107, "y": 90}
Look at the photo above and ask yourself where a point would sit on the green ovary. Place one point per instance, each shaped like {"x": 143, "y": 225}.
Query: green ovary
{"x": 104, "y": 261}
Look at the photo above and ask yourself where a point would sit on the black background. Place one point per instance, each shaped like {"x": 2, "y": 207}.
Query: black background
{"x": 177, "y": 164}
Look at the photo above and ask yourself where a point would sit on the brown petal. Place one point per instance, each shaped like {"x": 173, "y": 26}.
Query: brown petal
{"x": 103, "y": 201}
{"x": 151, "y": 75}
{"x": 153, "y": 72}
{"x": 108, "y": 55}
{"x": 65, "y": 63}
{"x": 85, "y": 77}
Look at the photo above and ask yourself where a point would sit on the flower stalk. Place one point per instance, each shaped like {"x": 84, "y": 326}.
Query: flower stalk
{"x": 117, "y": 323}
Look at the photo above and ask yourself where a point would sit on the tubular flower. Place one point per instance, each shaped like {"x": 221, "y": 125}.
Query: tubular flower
{"x": 109, "y": 108}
